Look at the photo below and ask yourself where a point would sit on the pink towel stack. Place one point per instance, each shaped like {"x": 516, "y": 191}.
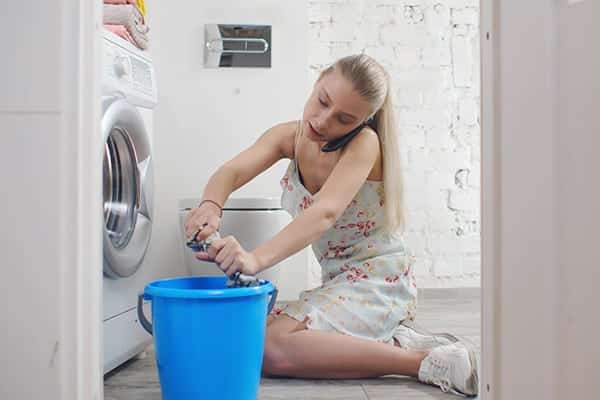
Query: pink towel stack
{"x": 124, "y": 19}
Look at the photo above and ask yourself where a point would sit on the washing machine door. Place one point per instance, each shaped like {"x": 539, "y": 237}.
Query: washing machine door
{"x": 127, "y": 186}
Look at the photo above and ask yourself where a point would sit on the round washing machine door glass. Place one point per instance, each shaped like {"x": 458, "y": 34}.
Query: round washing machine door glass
{"x": 127, "y": 188}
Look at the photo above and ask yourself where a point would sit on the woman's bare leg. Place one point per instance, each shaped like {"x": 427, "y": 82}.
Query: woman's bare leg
{"x": 294, "y": 351}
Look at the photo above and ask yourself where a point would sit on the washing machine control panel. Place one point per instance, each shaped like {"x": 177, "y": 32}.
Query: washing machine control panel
{"x": 129, "y": 71}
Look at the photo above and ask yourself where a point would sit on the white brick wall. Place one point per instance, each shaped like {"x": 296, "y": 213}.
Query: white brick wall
{"x": 431, "y": 50}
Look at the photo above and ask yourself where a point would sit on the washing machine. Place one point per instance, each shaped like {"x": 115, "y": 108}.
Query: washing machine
{"x": 128, "y": 97}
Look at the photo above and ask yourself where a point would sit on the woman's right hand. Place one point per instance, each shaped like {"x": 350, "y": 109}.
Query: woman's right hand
{"x": 204, "y": 218}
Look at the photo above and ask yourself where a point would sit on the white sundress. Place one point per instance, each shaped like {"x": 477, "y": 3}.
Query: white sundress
{"x": 368, "y": 284}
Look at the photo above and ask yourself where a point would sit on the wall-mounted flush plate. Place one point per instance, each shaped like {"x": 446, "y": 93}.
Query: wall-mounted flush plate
{"x": 237, "y": 46}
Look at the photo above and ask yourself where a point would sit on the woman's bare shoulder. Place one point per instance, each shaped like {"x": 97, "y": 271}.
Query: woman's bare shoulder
{"x": 367, "y": 141}
{"x": 285, "y": 133}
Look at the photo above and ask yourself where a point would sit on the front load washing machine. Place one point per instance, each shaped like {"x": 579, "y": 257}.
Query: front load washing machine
{"x": 128, "y": 97}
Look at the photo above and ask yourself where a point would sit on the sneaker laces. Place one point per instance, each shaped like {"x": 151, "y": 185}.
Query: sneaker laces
{"x": 440, "y": 376}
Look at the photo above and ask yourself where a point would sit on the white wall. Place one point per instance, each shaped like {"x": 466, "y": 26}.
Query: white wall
{"x": 50, "y": 234}
{"x": 432, "y": 54}
{"x": 541, "y": 201}
{"x": 206, "y": 116}
{"x": 431, "y": 49}
{"x": 579, "y": 199}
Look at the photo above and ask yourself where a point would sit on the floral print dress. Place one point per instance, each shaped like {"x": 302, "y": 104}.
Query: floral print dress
{"x": 368, "y": 284}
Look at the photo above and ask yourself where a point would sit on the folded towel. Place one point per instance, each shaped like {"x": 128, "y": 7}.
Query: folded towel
{"x": 131, "y": 18}
{"x": 139, "y": 3}
{"x": 121, "y": 31}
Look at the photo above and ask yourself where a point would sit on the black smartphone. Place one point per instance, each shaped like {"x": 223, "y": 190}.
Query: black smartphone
{"x": 340, "y": 142}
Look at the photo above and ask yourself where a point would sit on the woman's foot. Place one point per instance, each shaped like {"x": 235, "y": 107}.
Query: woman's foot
{"x": 451, "y": 367}
{"x": 411, "y": 339}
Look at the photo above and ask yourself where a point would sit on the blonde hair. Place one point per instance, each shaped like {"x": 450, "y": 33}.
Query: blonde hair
{"x": 372, "y": 82}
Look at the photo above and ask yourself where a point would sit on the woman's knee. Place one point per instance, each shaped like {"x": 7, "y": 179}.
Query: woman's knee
{"x": 276, "y": 360}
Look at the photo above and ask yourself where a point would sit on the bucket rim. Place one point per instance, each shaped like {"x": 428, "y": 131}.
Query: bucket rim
{"x": 153, "y": 289}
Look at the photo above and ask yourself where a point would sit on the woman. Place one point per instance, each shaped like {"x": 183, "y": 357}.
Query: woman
{"x": 344, "y": 189}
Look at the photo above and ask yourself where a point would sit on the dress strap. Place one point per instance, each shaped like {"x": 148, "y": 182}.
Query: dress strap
{"x": 297, "y": 136}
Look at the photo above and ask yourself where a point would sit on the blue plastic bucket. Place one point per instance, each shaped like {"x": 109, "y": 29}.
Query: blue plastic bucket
{"x": 209, "y": 339}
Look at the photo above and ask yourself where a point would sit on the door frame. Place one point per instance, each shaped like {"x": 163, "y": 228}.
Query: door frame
{"x": 86, "y": 371}
{"x": 490, "y": 199}
{"x": 81, "y": 311}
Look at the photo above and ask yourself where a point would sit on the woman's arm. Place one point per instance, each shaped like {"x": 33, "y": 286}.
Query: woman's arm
{"x": 273, "y": 145}
{"x": 349, "y": 174}
{"x": 276, "y": 143}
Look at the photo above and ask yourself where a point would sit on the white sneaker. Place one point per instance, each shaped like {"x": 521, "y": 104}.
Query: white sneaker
{"x": 453, "y": 368}
{"x": 411, "y": 339}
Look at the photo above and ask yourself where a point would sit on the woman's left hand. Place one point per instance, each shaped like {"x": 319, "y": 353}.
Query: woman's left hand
{"x": 231, "y": 257}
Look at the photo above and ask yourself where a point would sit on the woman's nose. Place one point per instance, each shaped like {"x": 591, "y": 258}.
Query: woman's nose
{"x": 318, "y": 125}
{"x": 322, "y": 121}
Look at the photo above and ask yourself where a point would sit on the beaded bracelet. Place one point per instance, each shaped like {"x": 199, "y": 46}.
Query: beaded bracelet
{"x": 215, "y": 203}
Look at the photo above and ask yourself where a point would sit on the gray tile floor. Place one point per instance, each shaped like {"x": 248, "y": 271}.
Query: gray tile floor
{"x": 451, "y": 310}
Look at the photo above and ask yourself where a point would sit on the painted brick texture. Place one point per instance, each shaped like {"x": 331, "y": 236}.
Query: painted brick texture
{"x": 431, "y": 51}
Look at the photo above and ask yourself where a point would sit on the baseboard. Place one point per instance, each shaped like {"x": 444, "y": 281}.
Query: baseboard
{"x": 436, "y": 293}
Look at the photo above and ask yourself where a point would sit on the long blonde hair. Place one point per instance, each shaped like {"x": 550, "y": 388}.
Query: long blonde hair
{"x": 372, "y": 82}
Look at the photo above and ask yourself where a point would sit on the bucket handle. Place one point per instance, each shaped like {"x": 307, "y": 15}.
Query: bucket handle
{"x": 273, "y": 294}
{"x": 141, "y": 317}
